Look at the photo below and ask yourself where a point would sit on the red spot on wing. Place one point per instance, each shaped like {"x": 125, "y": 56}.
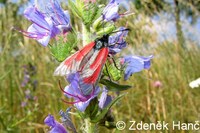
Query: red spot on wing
{"x": 84, "y": 51}
{"x": 93, "y": 78}
{"x": 100, "y": 58}
{"x": 100, "y": 61}
{"x": 79, "y": 55}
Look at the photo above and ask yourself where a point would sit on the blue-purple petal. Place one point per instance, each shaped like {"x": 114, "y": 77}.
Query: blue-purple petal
{"x": 69, "y": 92}
{"x": 96, "y": 91}
{"x": 41, "y": 35}
{"x": 110, "y": 12}
{"x": 117, "y": 42}
{"x": 33, "y": 15}
{"x": 114, "y": 50}
{"x": 136, "y": 64}
{"x": 42, "y": 28}
{"x": 83, "y": 105}
{"x": 73, "y": 77}
{"x": 105, "y": 99}
{"x": 74, "y": 90}
{"x": 58, "y": 129}
{"x": 44, "y": 41}
{"x": 55, "y": 126}
{"x": 75, "y": 81}
{"x": 47, "y": 25}
{"x": 61, "y": 19}
{"x": 49, "y": 120}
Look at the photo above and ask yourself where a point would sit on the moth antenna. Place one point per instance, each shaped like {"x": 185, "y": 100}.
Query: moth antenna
{"x": 127, "y": 29}
{"x": 150, "y": 79}
{"x": 121, "y": 36}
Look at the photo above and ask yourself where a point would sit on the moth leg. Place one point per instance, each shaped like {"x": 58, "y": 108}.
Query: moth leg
{"x": 115, "y": 64}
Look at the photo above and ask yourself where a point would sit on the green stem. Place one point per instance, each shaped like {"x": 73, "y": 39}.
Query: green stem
{"x": 85, "y": 35}
{"x": 90, "y": 127}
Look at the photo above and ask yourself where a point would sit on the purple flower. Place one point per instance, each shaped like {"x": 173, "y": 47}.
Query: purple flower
{"x": 135, "y": 64}
{"x": 55, "y": 126}
{"x": 23, "y": 104}
{"x": 110, "y": 12}
{"x": 75, "y": 91}
{"x": 42, "y": 28}
{"x": 46, "y": 25}
{"x": 29, "y": 71}
{"x": 61, "y": 19}
{"x": 105, "y": 99}
{"x": 116, "y": 41}
{"x": 25, "y": 80}
{"x": 75, "y": 80}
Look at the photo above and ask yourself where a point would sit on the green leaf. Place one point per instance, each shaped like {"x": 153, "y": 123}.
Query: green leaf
{"x": 63, "y": 49}
{"x": 4, "y": 75}
{"x": 90, "y": 13}
{"x": 92, "y": 109}
{"x": 100, "y": 116}
{"x": 76, "y": 8}
{"x": 111, "y": 86}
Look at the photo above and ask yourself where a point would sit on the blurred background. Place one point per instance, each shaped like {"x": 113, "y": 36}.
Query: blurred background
{"x": 168, "y": 29}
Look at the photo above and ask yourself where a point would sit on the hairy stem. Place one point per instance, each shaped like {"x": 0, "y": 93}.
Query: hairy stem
{"x": 85, "y": 35}
{"x": 90, "y": 127}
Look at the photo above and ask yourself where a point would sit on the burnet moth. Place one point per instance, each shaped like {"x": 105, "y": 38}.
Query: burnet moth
{"x": 88, "y": 61}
